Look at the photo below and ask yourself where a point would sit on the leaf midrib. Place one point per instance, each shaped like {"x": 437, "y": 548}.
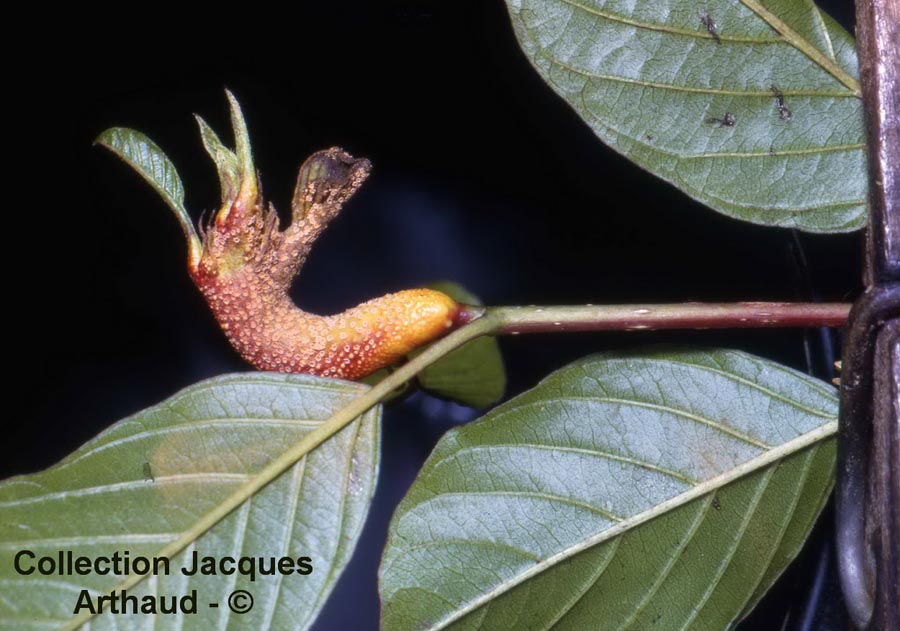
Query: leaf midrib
{"x": 804, "y": 46}
{"x": 785, "y": 32}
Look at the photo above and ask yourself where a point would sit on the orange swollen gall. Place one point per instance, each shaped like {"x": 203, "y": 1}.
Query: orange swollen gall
{"x": 244, "y": 266}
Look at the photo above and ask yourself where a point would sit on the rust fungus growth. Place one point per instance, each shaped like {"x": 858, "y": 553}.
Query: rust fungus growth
{"x": 244, "y": 264}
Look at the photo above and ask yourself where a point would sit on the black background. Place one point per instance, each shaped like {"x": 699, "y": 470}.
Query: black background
{"x": 481, "y": 175}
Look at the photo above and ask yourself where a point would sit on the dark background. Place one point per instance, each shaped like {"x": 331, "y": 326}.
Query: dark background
{"x": 481, "y": 175}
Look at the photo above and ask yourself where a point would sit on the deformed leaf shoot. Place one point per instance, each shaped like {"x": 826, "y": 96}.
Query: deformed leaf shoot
{"x": 244, "y": 264}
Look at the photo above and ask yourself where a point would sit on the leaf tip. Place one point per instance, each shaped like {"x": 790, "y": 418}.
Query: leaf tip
{"x": 242, "y": 146}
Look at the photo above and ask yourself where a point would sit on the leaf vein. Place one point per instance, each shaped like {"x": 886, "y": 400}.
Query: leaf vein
{"x": 550, "y": 497}
{"x": 290, "y": 522}
{"x": 673, "y": 558}
{"x": 90, "y": 540}
{"x": 220, "y": 423}
{"x": 345, "y": 481}
{"x": 211, "y": 477}
{"x": 773, "y": 153}
{"x": 674, "y": 30}
{"x": 725, "y": 429}
{"x": 601, "y": 568}
{"x": 746, "y": 382}
{"x": 594, "y": 452}
{"x": 761, "y": 486}
{"x": 762, "y": 93}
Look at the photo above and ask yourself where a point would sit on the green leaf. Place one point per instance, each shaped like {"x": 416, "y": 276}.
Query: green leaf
{"x": 241, "y": 140}
{"x": 651, "y": 80}
{"x": 473, "y": 374}
{"x": 145, "y": 157}
{"x": 150, "y": 477}
{"x": 666, "y": 490}
{"x": 227, "y": 166}
{"x": 379, "y": 375}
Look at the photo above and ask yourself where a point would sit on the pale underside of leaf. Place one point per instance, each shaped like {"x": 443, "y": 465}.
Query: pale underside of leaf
{"x": 147, "y": 479}
{"x": 655, "y": 84}
{"x": 666, "y": 490}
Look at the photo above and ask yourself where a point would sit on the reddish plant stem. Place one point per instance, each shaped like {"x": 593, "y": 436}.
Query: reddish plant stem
{"x": 692, "y": 315}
